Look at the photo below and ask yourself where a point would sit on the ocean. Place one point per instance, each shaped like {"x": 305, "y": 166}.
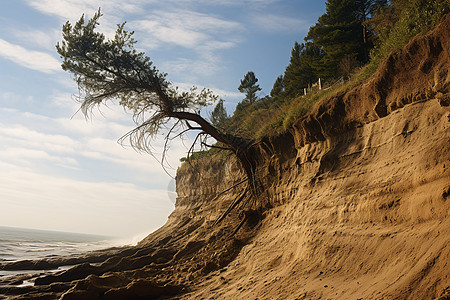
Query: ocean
{"x": 29, "y": 244}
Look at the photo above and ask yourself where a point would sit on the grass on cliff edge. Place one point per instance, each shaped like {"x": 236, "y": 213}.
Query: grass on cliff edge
{"x": 268, "y": 117}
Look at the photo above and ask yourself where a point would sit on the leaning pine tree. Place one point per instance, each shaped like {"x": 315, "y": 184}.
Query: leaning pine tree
{"x": 112, "y": 69}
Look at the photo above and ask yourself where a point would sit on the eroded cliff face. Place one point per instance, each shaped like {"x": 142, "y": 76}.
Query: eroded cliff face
{"x": 356, "y": 200}
{"x": 359, "y": 215}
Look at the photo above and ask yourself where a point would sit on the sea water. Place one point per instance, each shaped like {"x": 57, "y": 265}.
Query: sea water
{"x": 30, "y": 244}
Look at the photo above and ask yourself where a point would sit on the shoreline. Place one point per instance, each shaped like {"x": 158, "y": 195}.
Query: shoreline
{"x": 29, "y": 276}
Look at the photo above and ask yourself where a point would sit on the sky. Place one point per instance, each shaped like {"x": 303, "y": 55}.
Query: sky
{"x": 62, "y": 171}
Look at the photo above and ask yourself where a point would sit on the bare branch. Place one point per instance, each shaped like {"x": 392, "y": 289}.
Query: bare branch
{"x": 165, "y": 149}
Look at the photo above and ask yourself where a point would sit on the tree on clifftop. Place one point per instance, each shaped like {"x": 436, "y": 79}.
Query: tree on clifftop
{"x": 339, "y": 33}
{"x": 249, "y": 87}
{"x": 112, "y": 69}
{"x": 219, "y": 115}
{"x": 302, "y": 70}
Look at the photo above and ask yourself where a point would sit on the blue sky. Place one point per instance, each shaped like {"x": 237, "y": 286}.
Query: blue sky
{"x": 61, "y": 171}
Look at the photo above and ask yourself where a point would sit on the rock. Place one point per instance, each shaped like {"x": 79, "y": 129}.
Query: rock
{"x": 27, "y": 265}
{"x": 74, "y": 273}
{"x": 142, "y": 289}
{"x": 80, "y": 295}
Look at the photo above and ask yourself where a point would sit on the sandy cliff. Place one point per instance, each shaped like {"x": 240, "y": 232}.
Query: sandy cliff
{"x": 357, "y": 198}
{"x": 357, "y": 195}
{"x": 355, "y": 206}
{"x": 363, "y": 215}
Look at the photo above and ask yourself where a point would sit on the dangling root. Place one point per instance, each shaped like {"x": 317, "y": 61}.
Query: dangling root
{"x": 232, "y": 206}
{"x": 231, "y": 187}
{"x": 253, "y": 188}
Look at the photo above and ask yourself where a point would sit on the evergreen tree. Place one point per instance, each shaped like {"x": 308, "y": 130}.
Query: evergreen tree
{"x": 384, "y": 18}
{"x": 219, "y": 115}
{"x": 249, "y": 87}
{"x": 364, "y": 10}
{"x": 278, "y": 87}
{"x": 396, "y": 22}
{"x": 339, "y": 33}
{"x": 109, "y": 69}
{"x": 302, "y": 70}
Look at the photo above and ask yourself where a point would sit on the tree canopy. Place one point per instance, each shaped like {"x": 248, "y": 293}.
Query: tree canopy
{"x": 219, "y": 115}
{"x": 334, "y": 47}
{"x": 339, "y": 33}
{"x": 111, "y": 69}
{"x": 278, "y": 87}
{"x": 249, "y": 87}
{"x": 303, "y": 69}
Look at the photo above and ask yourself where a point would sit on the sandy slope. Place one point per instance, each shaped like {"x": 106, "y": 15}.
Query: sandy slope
{"x": 372, "y": 224}
{"x": 361, "y": 207}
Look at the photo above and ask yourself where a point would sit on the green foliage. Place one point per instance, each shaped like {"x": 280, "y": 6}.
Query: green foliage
{"x": 339, "y": 33}
{"x": 397, "y": 23}
{"x": 400, "y": 29}
{"x": 278, "y": 87}
{"x": 249, "y": 87}
{"x": 111, "y": 69}
{"x": 249, "y": 118}
{"x": 198, "y": 155}
{"x": 387, "y": 26}
{"x": 302, "y": 70}
{"x": 364, "y": 11}
{"x": 339, "y": 45}
{"x": 219, "y": 115}
{"x": 336, "y": 45}
{"x": 86, "y": 54}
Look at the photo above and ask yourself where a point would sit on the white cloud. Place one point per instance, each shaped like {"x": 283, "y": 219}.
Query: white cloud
{"x": 187, "y": 29}
{"x": 24, "y": 146}
{"x": 34, "y": 60}
{"x": 73, "y": 9}
{"x": 165, "y": 25}
{"x": 201, "y": 34}
{"x": 66, "y": 9}
{"x": 113, "y": 11}
{"x": 26, "y": 156}
{"x": 38, "y": 38}
{"x": 13, "y": 98}
{"x": 204, "y": 35}
{"x": 70, "y": 142}
{"x": 22, "y": 133}
{"x": 189, "y": 69}
{"x": 239, "y": 3}
{"x": 219, "y": 92}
